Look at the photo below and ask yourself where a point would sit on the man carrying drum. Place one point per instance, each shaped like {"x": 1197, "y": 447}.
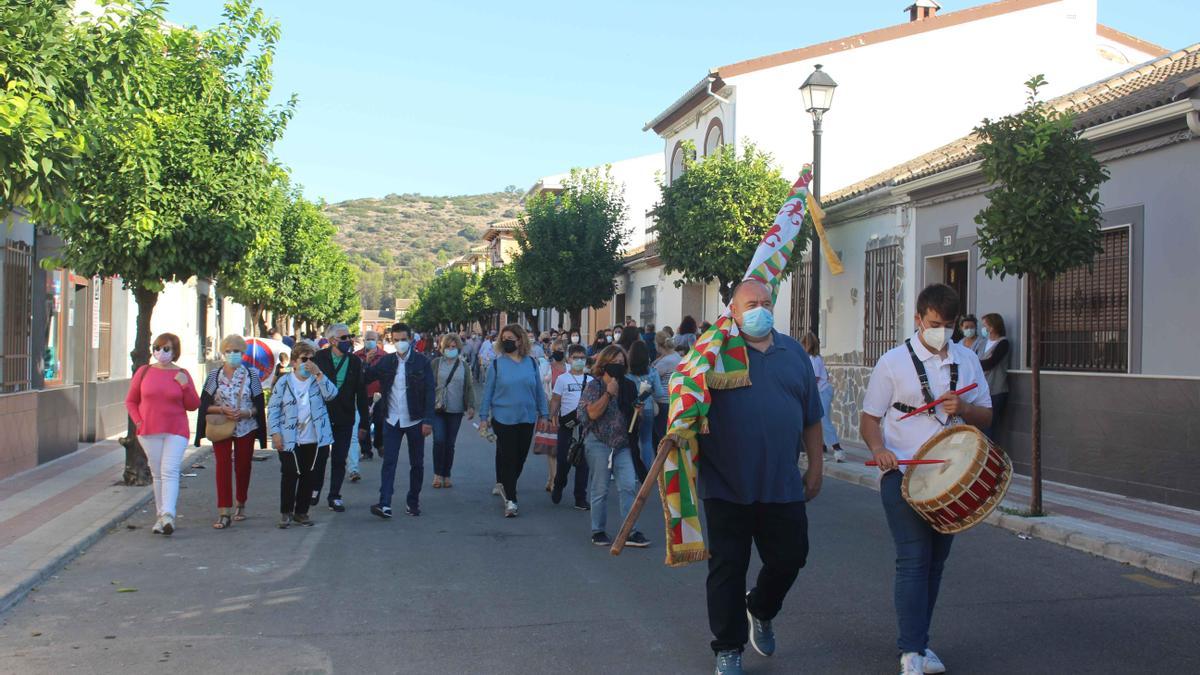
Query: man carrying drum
{"x": 926, "y": 368}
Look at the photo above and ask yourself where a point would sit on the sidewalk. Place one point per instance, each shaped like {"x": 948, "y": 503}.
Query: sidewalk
{"x": 52, "y": 513}
{"x": 1161, "y": 539}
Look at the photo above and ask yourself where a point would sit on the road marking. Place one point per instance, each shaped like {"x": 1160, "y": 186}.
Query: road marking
{"x": 1149, "y": 581}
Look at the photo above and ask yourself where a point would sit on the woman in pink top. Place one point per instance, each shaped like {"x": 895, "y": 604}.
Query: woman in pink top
{"x": 159, "y": 398}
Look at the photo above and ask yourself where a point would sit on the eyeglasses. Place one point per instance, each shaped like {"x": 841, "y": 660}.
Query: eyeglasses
{"x": 303, "y": 359}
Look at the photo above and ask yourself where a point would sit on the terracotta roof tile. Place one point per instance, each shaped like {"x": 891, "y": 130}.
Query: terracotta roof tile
{"x": 1136, "y": 90}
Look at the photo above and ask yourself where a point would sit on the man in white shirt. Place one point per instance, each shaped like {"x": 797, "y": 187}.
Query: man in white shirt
{"x": 927, "y": 367}
{"x": 407, "y": 389}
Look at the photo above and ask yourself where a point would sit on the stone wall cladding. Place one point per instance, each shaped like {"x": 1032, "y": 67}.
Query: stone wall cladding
{"x": 849, "y": 378}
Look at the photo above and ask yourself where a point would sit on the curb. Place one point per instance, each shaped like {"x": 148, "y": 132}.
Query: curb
{"x": 17, "y": 592}
{"x": 1047, "y": 530}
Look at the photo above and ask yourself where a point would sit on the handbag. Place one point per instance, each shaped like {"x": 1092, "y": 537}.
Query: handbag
{"x": 218, "y": 427}
{"x": 576, "y": 455}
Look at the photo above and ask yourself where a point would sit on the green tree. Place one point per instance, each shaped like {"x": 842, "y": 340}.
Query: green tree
{"x": 253, "y": 278}
{"x": 176, "y": 165}
{"x": 712, "y": 217}
{"x": 499, "y": 285}
{"x": 571, "y": 244}
{"x": 51, "y": 66}
{"x": 1043, "y": 216}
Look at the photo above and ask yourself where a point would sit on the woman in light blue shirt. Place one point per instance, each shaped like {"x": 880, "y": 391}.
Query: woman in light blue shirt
{"x": 513, "y": 402}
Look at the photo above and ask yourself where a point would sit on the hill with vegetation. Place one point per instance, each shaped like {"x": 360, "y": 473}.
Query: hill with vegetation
{"x": 396, "y": 242}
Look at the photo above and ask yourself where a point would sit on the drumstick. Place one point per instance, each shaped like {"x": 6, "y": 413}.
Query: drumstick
{"x": 909, "y": 462}
{"x": 639, "y": 502}
{"x": 927, "y": 406}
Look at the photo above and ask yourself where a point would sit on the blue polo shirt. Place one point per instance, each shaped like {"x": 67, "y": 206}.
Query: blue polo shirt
{"x": 756, "y": 433}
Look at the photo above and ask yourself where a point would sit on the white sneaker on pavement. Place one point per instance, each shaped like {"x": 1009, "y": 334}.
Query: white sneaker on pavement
{"x": 912, "y": 663}
{"x": 839, "y": 456}
{"x": 510, "y": 509}
{"x": 498, "y": 490}
{"x": 933, "y": 665}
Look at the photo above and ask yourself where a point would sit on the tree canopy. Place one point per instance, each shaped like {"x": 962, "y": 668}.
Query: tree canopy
{"x": 571, "y": 243}
{"x": 711, "y": 217}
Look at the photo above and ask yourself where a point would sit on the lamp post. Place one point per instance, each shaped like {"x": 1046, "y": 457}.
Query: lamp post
{"x": 817, "y": 92}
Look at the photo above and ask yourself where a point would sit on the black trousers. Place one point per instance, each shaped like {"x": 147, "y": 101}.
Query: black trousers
{"x": 780, "y": 533}
{"x": 512, "y": 448}
{"x": 565, "y": 436}
{"x": 296, "y": 478}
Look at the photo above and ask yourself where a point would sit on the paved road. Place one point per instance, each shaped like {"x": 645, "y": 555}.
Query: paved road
{"x": 462, "y": 590}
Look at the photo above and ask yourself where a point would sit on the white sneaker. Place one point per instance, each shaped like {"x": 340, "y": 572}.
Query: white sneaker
{"x": 839, "y": 456}
{"x": 933, "y": 665}
{"x": 498, "y": 490}
{"x": 510, "y": 509}
{"x": 912, "y": 663}
{"x": 158, "y": 526}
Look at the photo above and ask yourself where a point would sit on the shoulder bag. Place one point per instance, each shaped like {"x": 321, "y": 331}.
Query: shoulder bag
{"x": 218, "y": 427}
{"x": 440, "y": 402}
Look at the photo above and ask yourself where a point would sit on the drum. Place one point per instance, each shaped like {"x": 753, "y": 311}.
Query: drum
{"x": 963, "y": 490}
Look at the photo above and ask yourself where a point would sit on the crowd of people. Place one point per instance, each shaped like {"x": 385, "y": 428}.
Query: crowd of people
{"x": 599, "y": 410}
{"x": 339, "y": 400}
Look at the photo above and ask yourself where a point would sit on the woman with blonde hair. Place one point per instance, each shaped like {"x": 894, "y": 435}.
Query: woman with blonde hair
{"x": 606, "y": 408}
{"x": 235, "y": 393}
{"x": 160, "y": 396}
{"x": 513, "y": 401}
{"x": 454, "y": 396}
{"x": 825, "y": 388}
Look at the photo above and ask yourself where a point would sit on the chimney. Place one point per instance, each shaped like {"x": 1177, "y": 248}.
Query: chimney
{"x": 922, "y": 9}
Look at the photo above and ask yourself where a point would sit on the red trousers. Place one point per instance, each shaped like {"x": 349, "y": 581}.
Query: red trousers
{"x": 233, "y": 454}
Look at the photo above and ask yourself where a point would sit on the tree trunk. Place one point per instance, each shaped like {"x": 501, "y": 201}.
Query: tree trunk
{"x": 726, "y": 293}
{"x": 259, "y": 315}
{"x": 533, "y": 320}
{"x": 137, "y": 469}
{"x": 577, "y": 321}
{"x": 1035, "y": 353}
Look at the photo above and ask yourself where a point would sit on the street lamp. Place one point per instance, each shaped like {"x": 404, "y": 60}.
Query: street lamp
{"x": 817, "y": 92}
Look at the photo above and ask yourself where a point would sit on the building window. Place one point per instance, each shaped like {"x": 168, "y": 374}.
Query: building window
{"x": 801, "y": 284}
{"x": 879, "y": 310}
{"x": 648, "y": 294}
{"x": 201, "y": 324}
{"x": 677, "y": 161}
{"x": 104, "y": 351}
{"x": 1085, "y": 312}
{"x": 18, "y": 316}
{"x": 714, "y": 137}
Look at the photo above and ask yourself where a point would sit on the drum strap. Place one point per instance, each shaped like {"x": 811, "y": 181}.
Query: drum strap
{"x": 924, "y": 378}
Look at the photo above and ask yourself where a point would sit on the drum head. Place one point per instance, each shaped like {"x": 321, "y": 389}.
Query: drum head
{"x": 960, "y": 448}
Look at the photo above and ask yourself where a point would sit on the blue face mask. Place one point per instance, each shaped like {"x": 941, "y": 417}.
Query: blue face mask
{"x": 452, "y": 353}
{"x": 345, "y": 346}
{"x": 758, "y": 322}
{"x": 370, "y": 344}
{"x": 983, "y": 332}
{"x": 233, "y": 358}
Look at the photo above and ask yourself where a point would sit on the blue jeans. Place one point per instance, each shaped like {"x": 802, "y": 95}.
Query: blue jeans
{"x": 921, "y": 554}
{"x": 828, "y": 431}
{"x": 598, "y": 473}
{"x": 352, "y": 452}
{"x": 646, "y": 436}
{"x": 337, "y": 459}
{"x": 445, "y": 433}
{"x": 392, "y": 437}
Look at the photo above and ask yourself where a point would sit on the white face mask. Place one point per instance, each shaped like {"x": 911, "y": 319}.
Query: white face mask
{"x": 969, "y": 332}
{"x": 936, "y": 338}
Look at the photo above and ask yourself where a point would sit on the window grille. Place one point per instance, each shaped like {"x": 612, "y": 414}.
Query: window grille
{"x": 879, "y": 307}
{"x": 648, "y": 295}
{"x": 18, "y": 316}
{"x": 801, "y": 287}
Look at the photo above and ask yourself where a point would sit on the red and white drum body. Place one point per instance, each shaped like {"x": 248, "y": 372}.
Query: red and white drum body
{"x": 966, "y": 487}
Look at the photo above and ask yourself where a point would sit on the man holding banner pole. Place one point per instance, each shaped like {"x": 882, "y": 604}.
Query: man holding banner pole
{"x": 743, "y": 405}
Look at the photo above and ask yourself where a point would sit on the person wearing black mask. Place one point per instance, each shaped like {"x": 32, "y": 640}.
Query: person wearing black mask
{"x": 606, "y": 406}
{"x": 513, "y": 401}
{"x": 345, "y": 371}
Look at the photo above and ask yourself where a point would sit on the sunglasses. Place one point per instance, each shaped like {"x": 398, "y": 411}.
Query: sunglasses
{"x": 163, "y": 348}
{"x": 303, "y": 359}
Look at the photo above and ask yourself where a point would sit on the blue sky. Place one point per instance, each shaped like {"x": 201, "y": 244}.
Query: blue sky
{"x": 468, "y": 96}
